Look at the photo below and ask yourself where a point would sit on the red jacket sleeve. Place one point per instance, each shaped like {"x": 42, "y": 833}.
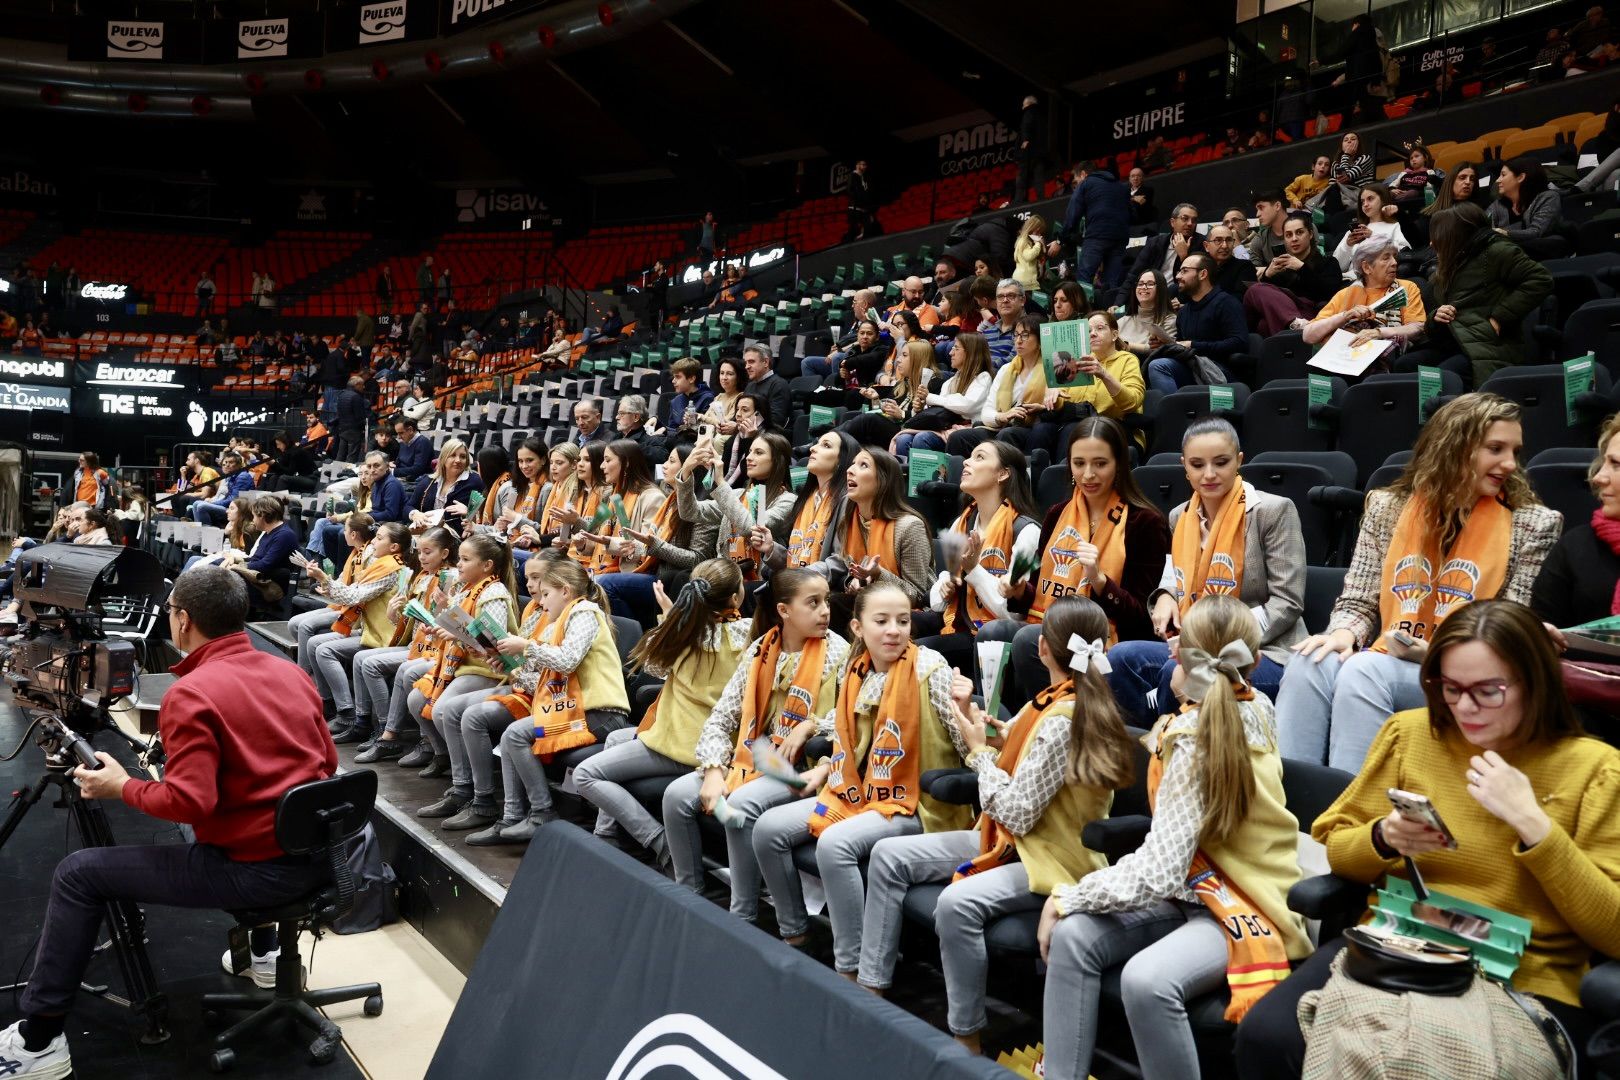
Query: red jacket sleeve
{"x": 190, "y": 788}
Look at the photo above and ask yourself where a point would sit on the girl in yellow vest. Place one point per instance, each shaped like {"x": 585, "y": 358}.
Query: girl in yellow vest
{"x": 997, "y": 530}
{"x": 1202, "y": 904}
{"x": 484, "y": 566}
{"x": 378, "y": 670}
{"x": 311, "y": 629}
{"x": 577, "y": 698}
{"x": 892, "y": 724}
{"x": 1063, "y": 757}
{"x": 819, "y": 507}
{"x": 697, "y": 646}
{"x": 1106, "y": 542}
{"x": 629, "y": 478}
{"x": 786, "y": 679}
{"x": 363, "y": 622}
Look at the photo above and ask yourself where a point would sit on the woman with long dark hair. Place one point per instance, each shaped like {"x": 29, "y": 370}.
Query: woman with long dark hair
{"x": 881, "y": 537}
{"x": 629, "y": 482}
{"x": 1149, "y": 321}
{"x": 812, "y": 533}
{"x": 1528, "y": 211}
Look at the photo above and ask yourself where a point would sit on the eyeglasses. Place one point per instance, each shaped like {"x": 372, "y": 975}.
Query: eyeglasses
{"x": 1220, "y": 239}
{"x": 1017, "y": 334}
{"x": 169, "y": 608}
{"x": 1484, "y": 695}
{"x": 1009, "y": 296}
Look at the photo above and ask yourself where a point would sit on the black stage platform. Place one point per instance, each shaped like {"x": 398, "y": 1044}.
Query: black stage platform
{"x": 184, "y": 947}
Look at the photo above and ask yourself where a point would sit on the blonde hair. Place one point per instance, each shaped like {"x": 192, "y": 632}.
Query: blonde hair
{"x": 1099, "y": 747}
{"x": 449, "y": 448}
{"x": 1227, "y": 780}
{"x": 1611, "y": 428}
{"x": 1442, "y": 465}
{"x": 569, "y": 574}
{"x": 1033, "y": 225}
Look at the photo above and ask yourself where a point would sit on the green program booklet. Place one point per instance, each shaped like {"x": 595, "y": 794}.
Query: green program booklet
{"x": 925, "y": 465}
{"x": 1062, "y": 346}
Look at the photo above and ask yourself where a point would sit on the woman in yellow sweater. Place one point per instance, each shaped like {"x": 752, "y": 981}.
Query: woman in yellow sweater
{"x": 1117, "y": 389}
{"x": 1218, "y": 861}
{"x": 1057, "y": 770}
{"x": 696, "y": 647}
{"x": 1533, "y": 805}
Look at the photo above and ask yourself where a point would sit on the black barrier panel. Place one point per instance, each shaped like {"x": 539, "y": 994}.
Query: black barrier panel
{"x": 599, "y": 967}
{"x": 99, "y": 39}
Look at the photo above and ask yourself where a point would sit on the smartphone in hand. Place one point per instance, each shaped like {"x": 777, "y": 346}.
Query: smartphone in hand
{"x": 1416, "y": 807}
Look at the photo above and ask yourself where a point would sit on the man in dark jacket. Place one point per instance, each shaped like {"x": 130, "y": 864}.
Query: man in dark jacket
{"x": 353, "y": 420}
{"x": 1031, "y": 150}
{"x": 1140, "y": 192}
{"x": 1166, "y": 251}
{"x": 365, "y": 333}
{"x": 1105, "y": 205}
{"x": 762, "y": 380}
{"x": 414, "y": 458}
{"x": 1209, "y": 322}
{"x": 1228, "y": 273}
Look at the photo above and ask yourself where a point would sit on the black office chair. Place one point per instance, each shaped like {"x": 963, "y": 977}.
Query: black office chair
{"x": 315, "y": 819}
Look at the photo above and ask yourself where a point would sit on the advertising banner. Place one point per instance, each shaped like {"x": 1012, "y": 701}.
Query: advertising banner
{"x": 459, "y": 15}
{"x": 23, "y": 396}
{"x": 153, "y": 393}
{"x": 170, "y": 41}
{"x": 380, "y": 23}
{"x": 693, "y": 991}
{"x": 40, "y": 370}
{"x": 272, "y": 37}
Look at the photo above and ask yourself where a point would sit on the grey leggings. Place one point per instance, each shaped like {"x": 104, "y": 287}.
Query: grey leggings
{"x": 305, "y": 625}
{"x": 527, "y": 789}
{"x": 601, "y": 783}
{"x": 1171, "y": 952}
{"x": 374, "y": 671}
{"x": 434, "y": 729}
{"x": 965, "y": 908}
{"x": 681, "y": 813}
{"x": 839, "y": 852}
{"x": 333, "y": 655}
{"x": 399, "y": 697}
{"x": 482, "y": 722}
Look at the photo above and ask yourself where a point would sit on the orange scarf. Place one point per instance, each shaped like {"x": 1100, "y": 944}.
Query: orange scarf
{"x": 810, "y": 529}
{"x": 561, "y": 494}
{"x": 995, "y": 556}
{"x": 486, "y": 509}
{"x": 1412, "y": 597}
{"x": 450, "y": 654}
{"x": 587, "y": 506}
{"x": 997, "y": 844}
{"x": 601, "y": 561}
{"x": 1060, "y": 566}
{"x": 559, "y": 716}
{"x": 385, "y": 567}
{"x": 352, "y": 564}
{"x": 799, "y": 705}
{"x": 664, "y": 524}
{"x": 527, "y": 502}
{"x": 1256, "y": 958}
{"x": 518, "y": 703}
{"x": 423, "y": 646}
{"x": 879, "y": 542}
{"x": 1215, "y": 568}
{"x": 753, "y": 500}
{"x": 891, "y": 782}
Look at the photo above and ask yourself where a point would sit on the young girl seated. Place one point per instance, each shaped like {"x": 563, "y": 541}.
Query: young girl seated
{"x": 1062, "y": 758}
{"x": 892, "y": 724}
{"x": 363, "y": 623}
{"x": 697, "y": 646}
{"x": 578, "y": 697}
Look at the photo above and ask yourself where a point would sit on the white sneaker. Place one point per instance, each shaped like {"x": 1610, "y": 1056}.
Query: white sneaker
{"x": 262, "y": 970}
{"x": 51, "y": 1063}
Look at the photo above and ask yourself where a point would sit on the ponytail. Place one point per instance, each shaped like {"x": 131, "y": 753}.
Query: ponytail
{"x": 573, "y": 577}
{"x": 780, "y": 588}
{"x": 1100, "y": 752}
{"x": 699, "y": 608}
{"x": 1227, "y": 783}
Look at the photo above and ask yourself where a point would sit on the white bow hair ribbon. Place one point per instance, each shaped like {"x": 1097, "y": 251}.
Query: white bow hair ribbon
{"x": 1089, "y": 654}
{"x": 1202, "y": 669}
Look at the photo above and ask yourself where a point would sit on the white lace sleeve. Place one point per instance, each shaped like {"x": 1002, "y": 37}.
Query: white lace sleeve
{"x": 939, "y": 692}
{"x": 1158, "y": 869}
{"x": 360, "y": 593}
{"x": 577, "y": 641}
{"x": 1019, "y": 800}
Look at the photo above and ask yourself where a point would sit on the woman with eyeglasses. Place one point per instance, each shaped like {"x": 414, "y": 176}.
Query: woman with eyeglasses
{"x": 1532, "y": 806}
{"x": 1149, "y": 322}
{"x": 1460, "y": 525}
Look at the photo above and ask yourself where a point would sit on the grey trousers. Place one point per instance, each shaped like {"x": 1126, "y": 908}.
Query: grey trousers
{"x": 681, "y": 812}
{"x": 1330, "y": 713}
{"x": 449, "y": 715}
{"x": 482, "y": 723}
{"x": 1171, "y": 952}
{"x": 965, "y": 908}
{"x": 374, "y": 671}
{"x": 305, "y": 625}
{"x": 333, "y": 656}
{"x": 527, "y": 789}
{"x": 839, "y": 852}
{"x": 601, "y": 783}
{"x": 399, "y": 696}
{"x": 433, "y": 729}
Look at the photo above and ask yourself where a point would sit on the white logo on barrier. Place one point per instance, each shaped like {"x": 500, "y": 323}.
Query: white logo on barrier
{"x": 30, "y": 369}
{"x": 471, "y": 9}
{"x": 474, "y": 204}
{"x": 19, "y": 396}
{"x": 96, "y": 290}
{"x": 312, "y": 206}
{"x": 117, "y": 375}
{"x": 261, "y": 38}
{"x": 139, "y": 39}
{"x": 196, "y": 420}
{"x": 382, "y": 22}
{"x": 695, "y": 1048}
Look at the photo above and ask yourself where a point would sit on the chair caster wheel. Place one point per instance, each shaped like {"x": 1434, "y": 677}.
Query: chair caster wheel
{"x": 373, "y": 1005}
{"x": 221, "y": 1060}
{"x": 213, "y": 1018}
{"x": 324, "y": 1049}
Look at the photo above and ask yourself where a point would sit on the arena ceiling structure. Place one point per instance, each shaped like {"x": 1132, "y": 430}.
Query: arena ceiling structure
{"x": 572, "y": 92}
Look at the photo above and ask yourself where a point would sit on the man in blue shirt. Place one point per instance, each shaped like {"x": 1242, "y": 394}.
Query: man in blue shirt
{"x": 237, "y": 480}
{"x": 1210, "y": 323}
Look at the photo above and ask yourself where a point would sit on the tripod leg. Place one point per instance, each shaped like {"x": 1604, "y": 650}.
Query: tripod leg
{"x": 21, "y": 803}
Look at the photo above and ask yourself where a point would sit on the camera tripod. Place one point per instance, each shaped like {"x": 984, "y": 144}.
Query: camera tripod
{"x": 126, "y": 924}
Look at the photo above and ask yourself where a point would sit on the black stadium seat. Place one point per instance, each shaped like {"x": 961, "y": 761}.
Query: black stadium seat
{"x": 1539, "y": 390}
{"x": 1565, "y": 488}
{"x": 1177, "y": 411}
{"x": 1277, "y": 417}
{"x": 1165, "y": 485}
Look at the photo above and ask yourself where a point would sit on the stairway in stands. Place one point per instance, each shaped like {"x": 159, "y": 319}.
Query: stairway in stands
{"x": 368, "y": 254}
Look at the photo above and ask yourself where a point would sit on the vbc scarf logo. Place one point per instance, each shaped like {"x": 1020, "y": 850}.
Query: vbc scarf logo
{"x": 259, "y": 38}
{"x": 382, "y": 22}
{"x": 141, "y": 40}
